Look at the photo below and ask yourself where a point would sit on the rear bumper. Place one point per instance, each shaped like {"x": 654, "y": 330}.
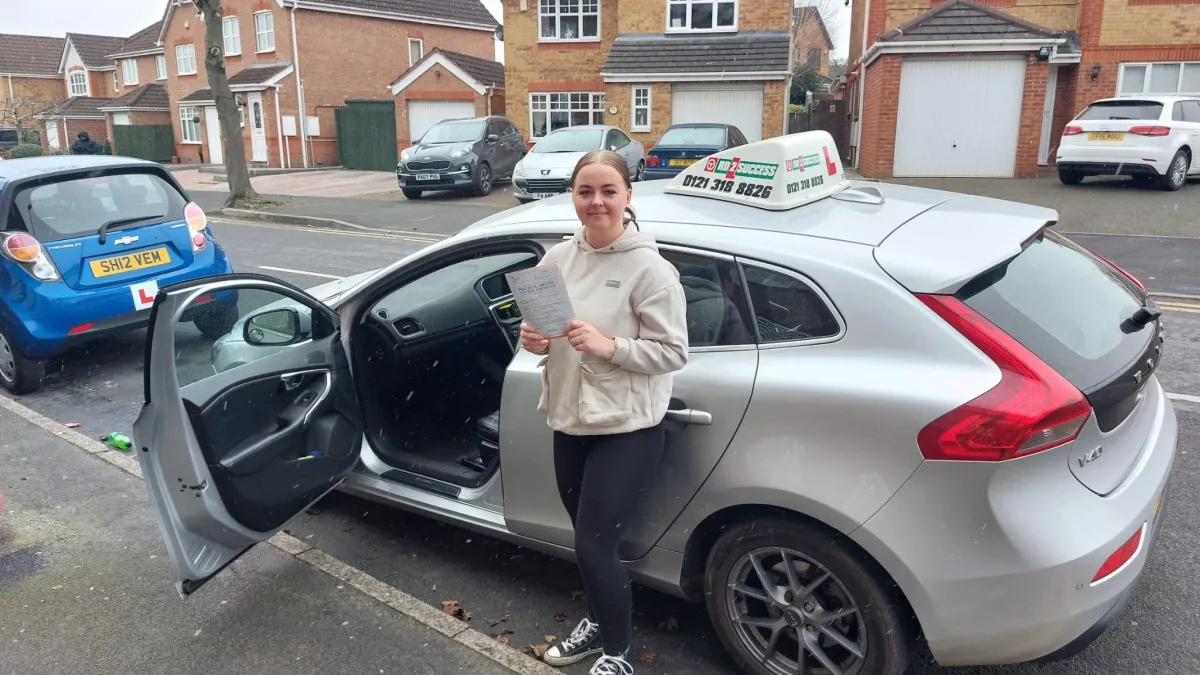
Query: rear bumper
{"x": 1115, "y": 160}
{"x": 998, "y": 561}
{"x": 1111, "y": 169}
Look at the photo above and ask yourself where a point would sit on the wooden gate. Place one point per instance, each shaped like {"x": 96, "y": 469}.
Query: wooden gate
{"x": 827, "y": 115}
{"x": 153, "y": 142}
{"x": 366, "y": 135}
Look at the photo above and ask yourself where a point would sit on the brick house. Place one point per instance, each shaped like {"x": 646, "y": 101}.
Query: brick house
{"x": 291, "y": 64}
{"x": 64, "y": 121}
{"x": 141, "y": 69}
{"x": 966, "y": 89}
{"x": 445, "y": 85}
{"x": 643, "y": 65}
{"x": 29, "y": 78}
{"x": 811, "y": 42}
{"x": 89, "y": 79}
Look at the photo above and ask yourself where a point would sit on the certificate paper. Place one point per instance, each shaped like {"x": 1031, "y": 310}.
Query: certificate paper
{"x": 541, "y": 294}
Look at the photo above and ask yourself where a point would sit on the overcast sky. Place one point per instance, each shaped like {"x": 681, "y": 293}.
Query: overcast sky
{"x": 124, "y": 17}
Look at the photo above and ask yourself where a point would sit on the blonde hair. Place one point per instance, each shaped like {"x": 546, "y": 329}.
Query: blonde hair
{"x": 611, "y": 159}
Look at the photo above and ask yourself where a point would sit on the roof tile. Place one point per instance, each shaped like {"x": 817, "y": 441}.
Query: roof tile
{"x": 966, "y": 20}
{"x": 94, "y": 49}
{"x": 463, "y": 11}
{"x": 490, "y": 73}
{"x": 144, "y": 40}
{"x": 77, "y": 106}
{"x": 30, "y": 54}
{"x": 151, "y": 95}
{"x": 744, "y": 52}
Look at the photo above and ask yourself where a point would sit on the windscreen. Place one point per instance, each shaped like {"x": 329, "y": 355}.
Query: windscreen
{"x": 571, "y": 140}
{"x": 454, "y": 132}
{"x": 77, "y": 207}
{"x": 708, "y": 137}
{"x": 1122, "y": 110}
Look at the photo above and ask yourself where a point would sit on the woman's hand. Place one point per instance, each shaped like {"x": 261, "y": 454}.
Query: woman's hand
{"x": 585, "y": 338}
{"x": 532, "y": 341}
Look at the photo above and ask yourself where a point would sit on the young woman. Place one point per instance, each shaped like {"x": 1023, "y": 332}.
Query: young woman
{"x": 605, "y": 389}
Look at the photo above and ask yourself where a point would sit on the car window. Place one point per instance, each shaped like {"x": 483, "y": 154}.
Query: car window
{"x": 708, "y": 137}
{"x": 786, "y": 308}
{"x": 1177, "y": 112}
{"x": 1191, "y": 111}
{"x": 511, "y": 130}
{"x": 76, "y": 207}
{"x": 454, "y": 132}
{"x": 717, "y": 314}
{"x": 496, "y": 127}
{"x": 208, "y": 341}
{"x": 1122, "y": 110}
{"x": 621, "y": 140}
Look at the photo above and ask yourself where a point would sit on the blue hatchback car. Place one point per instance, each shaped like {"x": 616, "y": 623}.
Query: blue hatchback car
{"x": 85, "y": 243}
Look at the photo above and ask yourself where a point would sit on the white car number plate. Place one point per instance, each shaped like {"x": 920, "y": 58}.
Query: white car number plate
{"x": 428, "y": 176}
{"x": 542, "y": 195}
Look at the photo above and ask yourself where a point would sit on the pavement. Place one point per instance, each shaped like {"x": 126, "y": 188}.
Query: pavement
{"x": 85, "y": 588}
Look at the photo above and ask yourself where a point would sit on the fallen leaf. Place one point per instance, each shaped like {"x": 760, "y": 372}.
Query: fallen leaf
{"x": 561, "y": 617}
{"x": 550, "y": 639}
{"x": 452, "y": 608}
{"x": 538, "y": 651}
{"x": 670, "y": 625}
{"x": 648, "y": 657}
{"x": 502, "y": 636}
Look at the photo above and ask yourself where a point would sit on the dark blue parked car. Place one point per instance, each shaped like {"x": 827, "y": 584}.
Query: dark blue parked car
{"x": 682, "y": 144}
{"x": 85, "y": 243}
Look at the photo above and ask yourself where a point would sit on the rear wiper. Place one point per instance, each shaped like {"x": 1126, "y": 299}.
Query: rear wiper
{"x": 1139, "y": 319}
{"x": 112, "y": 224}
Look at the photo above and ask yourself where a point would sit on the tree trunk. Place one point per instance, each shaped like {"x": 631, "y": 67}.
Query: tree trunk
{"x": 240, "y": 189}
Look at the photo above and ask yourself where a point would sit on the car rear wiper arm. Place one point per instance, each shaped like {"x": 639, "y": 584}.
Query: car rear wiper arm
{"x": 123, "y": 221}
{"x": 1140, "y": 318}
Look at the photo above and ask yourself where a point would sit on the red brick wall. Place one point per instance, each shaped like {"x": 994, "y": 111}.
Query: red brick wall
{"x": 1033, "y": 105}
{"x": 1064, "y": 106}
{"x": 880, "y": 104}
{"x": 97, "y": 129}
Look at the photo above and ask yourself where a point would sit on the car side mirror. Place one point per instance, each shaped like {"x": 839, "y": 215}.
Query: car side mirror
{"x": 492, "y": 138}
{"x": 273, "y": 328}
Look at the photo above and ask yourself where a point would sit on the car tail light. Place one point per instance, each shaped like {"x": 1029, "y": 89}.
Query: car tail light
{"x": 197, "y": 222}
{"x": 29, "y": 253}
{"x": 1120, "y": 557}
{"x": 1151, "y": 131}
{"x": 652, "y": 160}
{"x": 1072, "y": 131}
{"x": 1032, "y": 409}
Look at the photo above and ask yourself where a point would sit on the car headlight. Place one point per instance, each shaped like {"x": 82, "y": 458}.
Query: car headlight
{"x": 458, "y": 153}
{"x": 519, "y": 172}
{"x": 405, "y": 155}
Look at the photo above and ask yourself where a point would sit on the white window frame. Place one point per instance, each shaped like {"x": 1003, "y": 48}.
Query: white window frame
{"x": 128, "y": 68}
{"x": 687, "y": 4}
{"x": 261, "y": 32}
{"x": 583, "y": 8}
{"x": 595, "y": 104}
{"x": 160, "y": 66}
{"x": 634, "y": 107}
{"x": 1149, "y": 66}
{"x": 186, "y": 124}
{"x": 420, "y": 43}
{"x": 185, "y": 54}
{"x": 81, "y": 87}
{"x": 116, "y": 83}
{"x": 231, "y": 34}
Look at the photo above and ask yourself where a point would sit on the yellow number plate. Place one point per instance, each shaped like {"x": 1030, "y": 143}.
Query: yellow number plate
{"x": 1106, "y": 136}
{"x": 681, "y": 162}
{"x": 130, "y": 262}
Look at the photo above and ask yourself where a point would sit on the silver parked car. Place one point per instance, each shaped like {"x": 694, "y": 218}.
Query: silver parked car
{"x": 905, "y": 411}
{"x": 546, "y": 170}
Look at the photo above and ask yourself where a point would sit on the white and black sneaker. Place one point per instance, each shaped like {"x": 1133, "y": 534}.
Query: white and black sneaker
{"x": 608, "y": 664}
{"x": 583, "y": 642}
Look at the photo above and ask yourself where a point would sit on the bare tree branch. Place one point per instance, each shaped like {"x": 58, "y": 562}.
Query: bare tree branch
{"x": 240, "y": 189}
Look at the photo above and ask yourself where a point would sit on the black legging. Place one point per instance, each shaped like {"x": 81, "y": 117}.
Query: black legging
{"x": 601, "y": 480}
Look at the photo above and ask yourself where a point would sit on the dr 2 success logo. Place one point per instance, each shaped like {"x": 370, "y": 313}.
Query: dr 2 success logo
{"x": 736, "y": 168}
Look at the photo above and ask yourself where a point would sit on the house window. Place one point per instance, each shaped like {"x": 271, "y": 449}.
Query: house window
{"x": 550, "y": 112}
{"x": 233, "y": 36}
{"x": 185, "y": 59}
{"x": 129, "y": 72}
{"x": 160, "y": 67}
{"x": 416, "y": 50}
{"x": 78, "y": 83}
{"x": 1137, "y": 79}
{"x": 814, "y": 58}
{"x": 116, "y": 84}
{"x": 189, "y": 126}
{"x": 641, "y": 109}
{"x": 264, "y": 31}
{"x": 684, "y": 15}
{"x": 569, "y": 19}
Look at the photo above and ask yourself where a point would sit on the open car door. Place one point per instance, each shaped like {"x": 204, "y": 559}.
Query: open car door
{"x": 240, "y": 433}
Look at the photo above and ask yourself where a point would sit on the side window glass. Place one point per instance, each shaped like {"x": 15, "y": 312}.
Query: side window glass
{"x": 231, "y": 328}
{"x": 1191, "y": 111}
{"x": 610, "y": 141}
{"x": 1177, "y": 112}
{"x": 495, "y": 128}
{"x": 622, "y": 139}
{"x": 716, "y": 303}
{"x": 787, "y": 309}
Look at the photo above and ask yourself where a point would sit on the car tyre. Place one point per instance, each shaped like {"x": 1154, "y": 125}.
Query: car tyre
{"x": 854, "y": 584}
{"x": 1176, "y": 176}
{"x": 216, "y": 323}
{"x": 483, "y": 180}
{"x": 410, "y": 193}
{"x": 19, "y": 374}
{"x": 1069, "y": 177}
{"x": 641, "y": 172}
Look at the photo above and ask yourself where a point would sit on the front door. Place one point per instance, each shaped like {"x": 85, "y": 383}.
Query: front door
{"x": 212, "y": 125}
{"x": 235, "y": 440}
{"x": 710, "y": 396}
{"x": 258, "y": 129}
{"x": 52, "y": 134}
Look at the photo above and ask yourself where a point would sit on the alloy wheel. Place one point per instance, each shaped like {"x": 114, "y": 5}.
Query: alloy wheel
{"x": 485, "y": 179}
{"x": 1179, "y": 170}
{"x": 8, "y": 362}
{"x": 794, "y": 615}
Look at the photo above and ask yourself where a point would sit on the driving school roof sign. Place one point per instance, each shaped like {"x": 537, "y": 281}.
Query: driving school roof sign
{"x": 774, "y": 174}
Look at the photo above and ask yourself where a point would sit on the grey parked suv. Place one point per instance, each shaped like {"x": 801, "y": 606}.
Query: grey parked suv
{"x": 462, "y": 155}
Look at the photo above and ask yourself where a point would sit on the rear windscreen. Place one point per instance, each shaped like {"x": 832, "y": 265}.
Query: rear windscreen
{"x": 1122, "y": 110}
{"x": 1067, "y": 307}
{"x": 78, "y": 207}
{"x": 709, "y": 137}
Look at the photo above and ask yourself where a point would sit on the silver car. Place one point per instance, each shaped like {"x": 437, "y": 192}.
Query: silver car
{"x": 546, "y": 170}
{"x": 905, "y": 412}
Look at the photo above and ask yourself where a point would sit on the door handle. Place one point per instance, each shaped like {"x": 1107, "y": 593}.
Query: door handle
{"x": 291, "y": 381}
{"x": 689, "y": 416}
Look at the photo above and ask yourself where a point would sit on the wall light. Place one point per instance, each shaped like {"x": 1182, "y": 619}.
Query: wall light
{"x": 1095, "y": 71}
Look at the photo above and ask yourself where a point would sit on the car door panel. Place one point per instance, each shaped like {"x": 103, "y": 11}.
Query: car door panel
{"x": 230, "y": 458}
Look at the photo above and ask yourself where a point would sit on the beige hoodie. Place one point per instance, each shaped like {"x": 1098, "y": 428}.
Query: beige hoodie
{"x": 627, "y": 290}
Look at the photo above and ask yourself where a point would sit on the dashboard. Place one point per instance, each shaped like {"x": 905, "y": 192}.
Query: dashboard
{"x": 455, "y": 298}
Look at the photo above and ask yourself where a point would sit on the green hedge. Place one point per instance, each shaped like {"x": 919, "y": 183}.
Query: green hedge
{"x": 25, "y": 150}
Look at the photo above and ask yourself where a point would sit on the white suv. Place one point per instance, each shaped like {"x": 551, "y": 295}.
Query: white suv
{"x": 1154, "y": 139}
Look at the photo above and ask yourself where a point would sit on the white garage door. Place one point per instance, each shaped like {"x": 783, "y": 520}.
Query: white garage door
{"x": 424, "y": 114}
{"x": 959, "y": 117}
{"x": 738, "y": 104}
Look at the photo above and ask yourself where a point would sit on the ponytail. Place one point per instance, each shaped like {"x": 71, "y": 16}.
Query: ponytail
{"x": 631, "y": 218}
